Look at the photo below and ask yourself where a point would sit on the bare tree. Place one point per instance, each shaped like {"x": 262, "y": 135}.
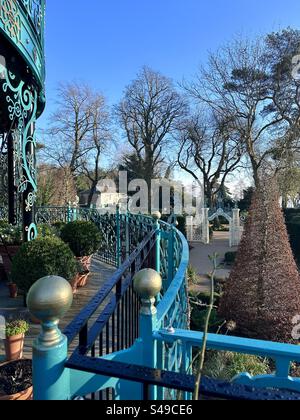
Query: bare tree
{"x": 56, "y": 186}
{"x": 282, "y": 51}
{"x": 70, "y": 126}
{"x": 96, "y": 143}
{"x": 209, "y": 151}
{"x": 236, "y": 84}
{"x": 79, "y": 133}
{"x": 148, "y": 114}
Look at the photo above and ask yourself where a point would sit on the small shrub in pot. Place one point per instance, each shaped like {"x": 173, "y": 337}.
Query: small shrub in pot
{"x": 14, "y": 342}
{"x": 48, "y": 256}
{"x": 83, "y": 238}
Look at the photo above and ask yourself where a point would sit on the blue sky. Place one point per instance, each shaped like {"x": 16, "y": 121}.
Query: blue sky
{"x": 105, "y": 42}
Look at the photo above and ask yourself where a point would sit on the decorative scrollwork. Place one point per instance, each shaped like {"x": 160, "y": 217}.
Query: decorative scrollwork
{"x": 22, "y": 108}
{"x": 35, "y": 9}
{"x": 9, "y": 16}
{"x": 3, "y": 172}
{"x": 31, "y": 232}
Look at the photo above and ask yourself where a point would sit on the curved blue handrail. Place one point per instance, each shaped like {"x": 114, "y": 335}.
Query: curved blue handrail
{"x": 165, "y": 305}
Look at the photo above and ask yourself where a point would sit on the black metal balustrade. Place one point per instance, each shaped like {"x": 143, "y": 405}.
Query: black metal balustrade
{"x": 117, "y": 326}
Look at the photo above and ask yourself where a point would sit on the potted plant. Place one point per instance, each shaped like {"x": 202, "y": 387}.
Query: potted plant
{"x": 14, "y": 342}
{"x": 84, "y": 239}
{"x": 10, "y": 242}
{"x": 48, "y": 256}
{"x": 80, "y": 280}
{"x": 16, "y": 381}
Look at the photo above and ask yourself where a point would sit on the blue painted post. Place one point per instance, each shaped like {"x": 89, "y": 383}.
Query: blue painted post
{"x": 157, "y": 216}
{"x": 148, "y": 284}
{"x": 187, "y": 366}
{"x": 171, "y": 256}
{"x": 118, "y": 233}
{"x": 48, "y": 300}
{"x": 69, "y": 213}
{"x": 127, "y": 235}
{"x": 74, "y": 214}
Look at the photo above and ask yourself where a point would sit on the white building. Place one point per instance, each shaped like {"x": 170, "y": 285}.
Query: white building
{"x": 102, "y": 199}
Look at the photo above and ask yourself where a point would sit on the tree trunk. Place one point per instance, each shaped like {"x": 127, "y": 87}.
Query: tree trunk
{"x": 208, "y": 193}
{"x": 91, "y": 194}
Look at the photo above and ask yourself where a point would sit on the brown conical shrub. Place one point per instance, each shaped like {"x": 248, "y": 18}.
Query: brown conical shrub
{"x": 263, "y": 292}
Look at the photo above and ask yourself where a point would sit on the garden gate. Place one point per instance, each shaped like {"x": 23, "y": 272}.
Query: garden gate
{"x": 198, "y": 227}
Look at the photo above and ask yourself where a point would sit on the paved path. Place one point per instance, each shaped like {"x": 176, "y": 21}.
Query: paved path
{"x": 199, "y": 259}
{"x": 14, "y": 307}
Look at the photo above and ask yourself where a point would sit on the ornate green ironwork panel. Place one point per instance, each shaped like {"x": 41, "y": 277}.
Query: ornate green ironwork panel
{"x": 22, "y": 22}
{"x": 22, "y": 100}
{"x": 22, "y": 109}
{"x": 3, "y": 176}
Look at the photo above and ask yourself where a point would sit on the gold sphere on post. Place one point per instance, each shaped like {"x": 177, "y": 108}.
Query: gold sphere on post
{"x": 50, "y": 298}
{"x": 156, "y": 215}
{"x": 147, "y": 283}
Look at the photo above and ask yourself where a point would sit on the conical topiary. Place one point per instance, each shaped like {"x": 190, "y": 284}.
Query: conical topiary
{"x": 263, "y": 292}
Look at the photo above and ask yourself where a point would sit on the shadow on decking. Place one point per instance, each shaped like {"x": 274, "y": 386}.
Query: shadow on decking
{"x": 101, "y": 272}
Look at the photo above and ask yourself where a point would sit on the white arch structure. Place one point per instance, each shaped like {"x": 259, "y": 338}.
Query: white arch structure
{"x": 198, "y": 227}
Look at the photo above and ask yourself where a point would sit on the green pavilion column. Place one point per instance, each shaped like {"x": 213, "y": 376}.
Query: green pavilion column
{"x": 30, "y": 186}
{"x": 22, "y": 101}
{"x": 11, "y": 185}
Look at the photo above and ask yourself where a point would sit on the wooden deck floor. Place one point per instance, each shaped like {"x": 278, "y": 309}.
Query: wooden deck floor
{"x": 14, "y": 307}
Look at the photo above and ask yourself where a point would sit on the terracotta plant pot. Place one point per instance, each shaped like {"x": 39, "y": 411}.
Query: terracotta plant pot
{"x": 80, "y": 281}
{"x": 26, "y": 395}
{"x": 13, "y": 290}
{"x": 14, "y": 347}
{"x": 16, "y": 381}
{"x": 85, "y": 262}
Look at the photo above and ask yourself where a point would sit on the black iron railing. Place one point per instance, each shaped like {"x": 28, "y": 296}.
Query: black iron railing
{"x": 110, "y": 322}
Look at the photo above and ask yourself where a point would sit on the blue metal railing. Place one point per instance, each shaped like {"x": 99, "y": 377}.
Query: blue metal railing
{"x": 282, "y": 354}
{"x": 156, "y": 359}
{"x": 121, "y": 232}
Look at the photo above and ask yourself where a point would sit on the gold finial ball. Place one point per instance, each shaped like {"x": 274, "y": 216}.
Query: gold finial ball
{"x": 156, "y": 215}
{"x": 147, "y": 283}
{"x": 50, "y": 298}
